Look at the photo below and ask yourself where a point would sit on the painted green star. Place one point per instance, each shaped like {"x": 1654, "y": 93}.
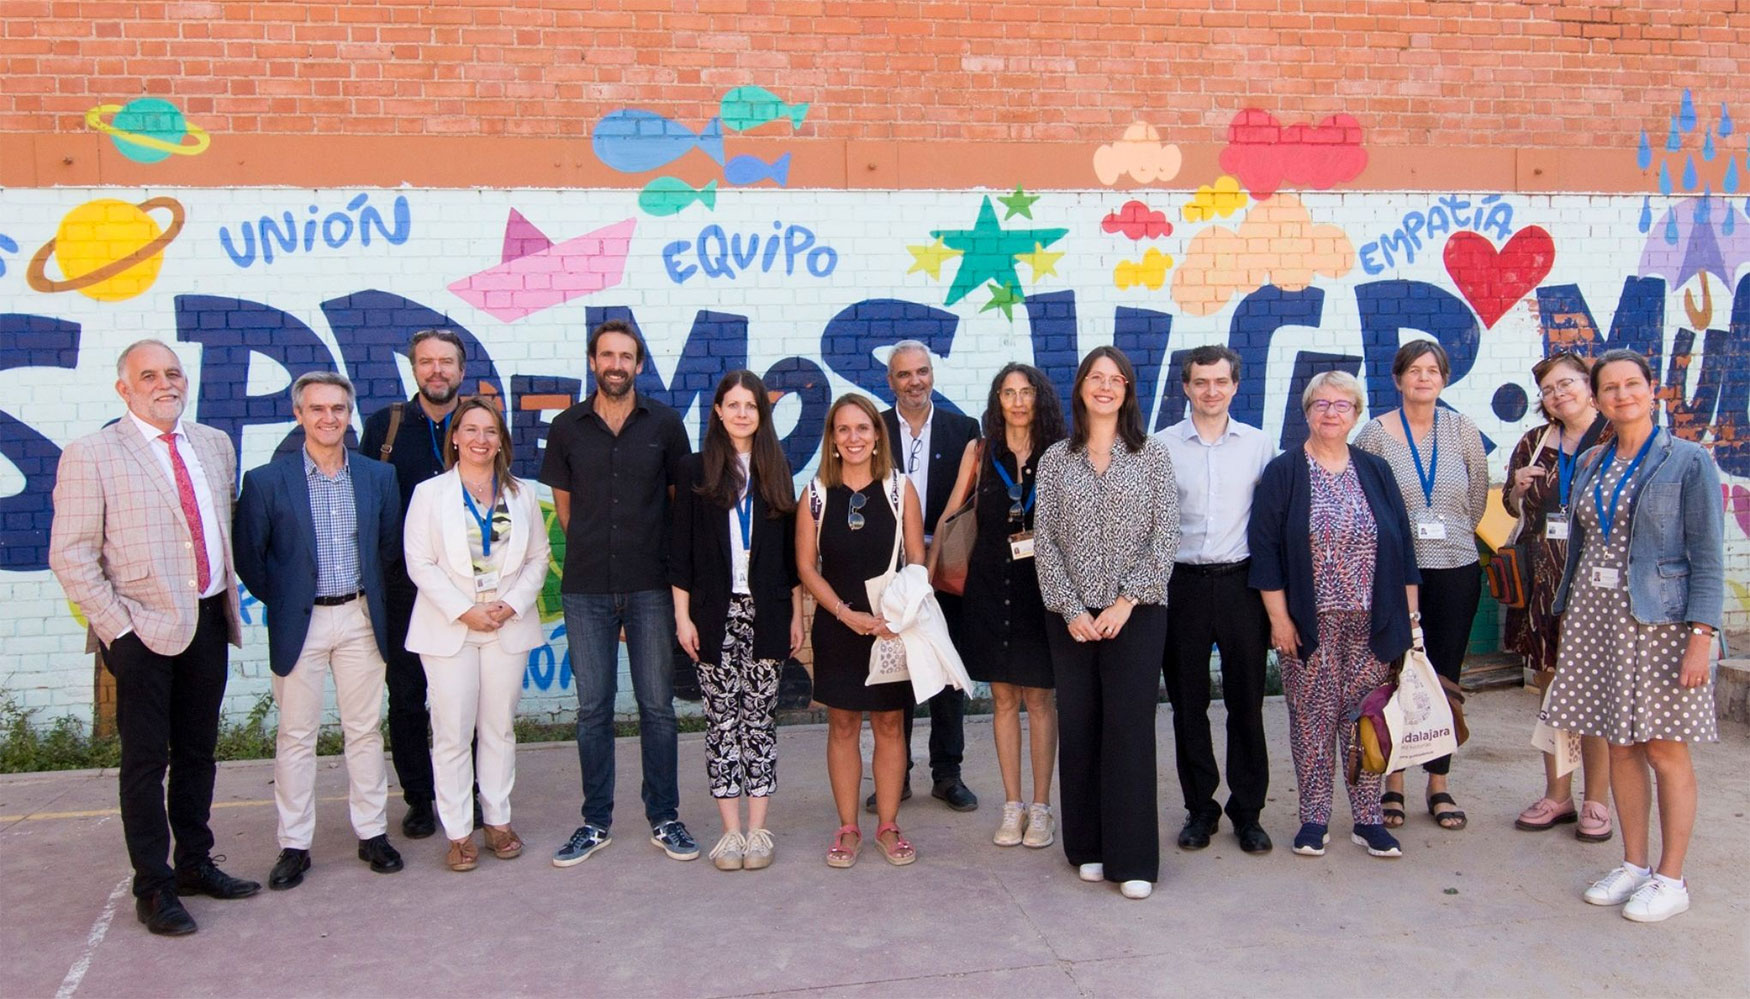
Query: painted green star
{"x": 1020, "y": 203}
{"x": 988, "y": 251}
{"x": 1004, "y": 298}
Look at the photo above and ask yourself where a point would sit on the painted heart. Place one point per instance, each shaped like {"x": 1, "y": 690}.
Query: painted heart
{"x": 1737, "y": 501}
{"x": 1492, "y": 282}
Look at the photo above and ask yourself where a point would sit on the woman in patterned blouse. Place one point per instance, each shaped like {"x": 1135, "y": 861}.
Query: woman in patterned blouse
{"x": 1107, "y": 523}
{"x": 1332, "y": 558}
{"x": 1437, "y": 458}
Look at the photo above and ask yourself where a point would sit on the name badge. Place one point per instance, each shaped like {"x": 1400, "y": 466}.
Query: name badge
{"x": 1430, "y": 530}
{"x": 1020, "y": 545}
{"x": 1606, "y": 578}
{"x": 1556, "y": 527}
{"x": 485, "y": 582}
{"x": 738, "y": 569}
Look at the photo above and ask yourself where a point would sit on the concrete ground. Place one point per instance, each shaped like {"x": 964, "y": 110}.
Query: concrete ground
{"x": 1486, "y": 911}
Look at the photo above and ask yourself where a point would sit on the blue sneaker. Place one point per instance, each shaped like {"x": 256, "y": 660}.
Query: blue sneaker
{"x": 674, "y": 840}
{"x": 1311, "y": 840}
{"x": 585, "y": 841}
{"x": 1379, "y": 843}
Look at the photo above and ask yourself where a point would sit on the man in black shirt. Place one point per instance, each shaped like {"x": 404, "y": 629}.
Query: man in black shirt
{"x": 410, "y": 436}
{"x": 612, "y": 462}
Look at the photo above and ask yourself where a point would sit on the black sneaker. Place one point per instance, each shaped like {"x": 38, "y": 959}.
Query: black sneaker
{"x": 585, "y": 841}
{"x": 674, "y": 839}
{"x": 956, "y": 794}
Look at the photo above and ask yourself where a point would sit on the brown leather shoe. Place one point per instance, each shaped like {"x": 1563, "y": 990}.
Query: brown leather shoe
{"x": 503, "y": 842}
{"x": 463, "y": 856}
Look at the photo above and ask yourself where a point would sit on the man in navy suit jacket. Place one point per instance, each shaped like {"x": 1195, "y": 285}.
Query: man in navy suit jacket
{"x": 928, "y": 442}
{"x": 314, "y": 533}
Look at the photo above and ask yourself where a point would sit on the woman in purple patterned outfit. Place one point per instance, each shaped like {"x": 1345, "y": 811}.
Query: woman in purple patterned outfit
{"x": 1333, "y": 560}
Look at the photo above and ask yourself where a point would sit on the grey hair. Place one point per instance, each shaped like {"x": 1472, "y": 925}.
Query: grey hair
{"x": 320, "y": 378}
{"x": 1342, "y": 381}
{"x": 121, "y": 361}
{"x": 904, "y": 346}
{"x": 447, "y": 336}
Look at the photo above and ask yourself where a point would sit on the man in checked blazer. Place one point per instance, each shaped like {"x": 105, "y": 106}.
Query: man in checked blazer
{"x": 141, "y": 542}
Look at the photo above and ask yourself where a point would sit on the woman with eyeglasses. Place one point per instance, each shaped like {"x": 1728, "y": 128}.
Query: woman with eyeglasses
{"x": 1540, "y": 478}
{"x": 1641, "y": 600}
{"x": 1003, "y": 639}
{"x": 1333, "y": 560}
{"x": 1438, "y": 459}
{"x": 1106, "y": 531}
{"x": 738, "y": 605}
{"x": 861, "y": 519}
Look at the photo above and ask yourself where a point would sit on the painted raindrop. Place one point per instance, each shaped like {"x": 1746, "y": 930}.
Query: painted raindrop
{"x": 1686, "y": 114}
{"x": 1644, "y": 155}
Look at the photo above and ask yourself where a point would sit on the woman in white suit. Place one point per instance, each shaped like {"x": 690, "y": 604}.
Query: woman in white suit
{"x": 476, "y": 547}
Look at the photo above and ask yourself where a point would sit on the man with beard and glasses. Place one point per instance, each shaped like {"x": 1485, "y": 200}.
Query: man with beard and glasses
{"x": 613, "y": 462}
{"x": 410, "y": 436}
{"x": 141, "y": 542}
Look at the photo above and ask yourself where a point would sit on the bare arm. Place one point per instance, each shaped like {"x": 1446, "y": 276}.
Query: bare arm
{"x": 962, "y": 486}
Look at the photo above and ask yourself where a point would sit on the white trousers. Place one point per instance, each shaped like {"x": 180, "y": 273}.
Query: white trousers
{"x": 473, "y": 693}
{"x": 340, "y": 641}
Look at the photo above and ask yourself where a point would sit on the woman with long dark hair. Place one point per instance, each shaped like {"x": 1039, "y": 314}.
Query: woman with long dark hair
{"x": 738, "y": 604}
{"x": 1106, "y": 533}
{"x": 1002, "y": 638}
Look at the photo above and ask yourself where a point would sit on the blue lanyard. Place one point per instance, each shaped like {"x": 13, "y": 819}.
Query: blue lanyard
{"x": 1015, "y": 492}
{"x": 1426, "y": 477}
{"x": 1565, "y": 465}
{"x": 1607, "y": 520}
{"x": 486, "y": 521}
{"x": 437, "y": 447}
{"x": 744, "y": 516}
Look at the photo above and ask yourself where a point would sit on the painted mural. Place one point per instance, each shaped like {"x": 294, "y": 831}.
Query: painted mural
{"x": 1273, "y": 256}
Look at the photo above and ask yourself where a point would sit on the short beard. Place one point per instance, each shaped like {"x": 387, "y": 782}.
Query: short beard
{"x": 606, "y": 388}
{"x": 443, "y": 400}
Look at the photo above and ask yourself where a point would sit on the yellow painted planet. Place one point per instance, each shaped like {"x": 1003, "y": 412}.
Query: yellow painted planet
{"x": 107, "y": 250}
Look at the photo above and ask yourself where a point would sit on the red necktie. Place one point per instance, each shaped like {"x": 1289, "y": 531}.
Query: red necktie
{"x": 191, "y": 511}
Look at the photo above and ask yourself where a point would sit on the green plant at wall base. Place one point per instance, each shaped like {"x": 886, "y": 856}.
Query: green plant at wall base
{"x": 64, "y": 745}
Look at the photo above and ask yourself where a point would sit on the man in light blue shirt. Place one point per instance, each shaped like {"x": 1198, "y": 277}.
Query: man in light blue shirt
{"x": 1216, "y": 463}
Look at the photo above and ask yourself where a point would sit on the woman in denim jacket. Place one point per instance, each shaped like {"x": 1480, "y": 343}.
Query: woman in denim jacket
{"x": 1642, "y": 597}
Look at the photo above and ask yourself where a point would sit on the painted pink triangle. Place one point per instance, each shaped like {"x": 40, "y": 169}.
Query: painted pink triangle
{"x": 521, "y": 238}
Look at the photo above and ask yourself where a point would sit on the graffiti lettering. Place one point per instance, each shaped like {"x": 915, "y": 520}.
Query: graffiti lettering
{"x": 1450, "y": 213}
{"x": 721, "y": 255}
{"x": 334, "y": 230}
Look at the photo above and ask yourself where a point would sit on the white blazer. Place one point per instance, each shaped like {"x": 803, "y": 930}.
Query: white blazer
{"x": 438, "y": 561}
{"x": 910, "y": 609}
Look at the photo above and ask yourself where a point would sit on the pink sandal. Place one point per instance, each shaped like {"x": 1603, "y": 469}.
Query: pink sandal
{"x": 901, "y": 852}
{"x": 841, "y": 856}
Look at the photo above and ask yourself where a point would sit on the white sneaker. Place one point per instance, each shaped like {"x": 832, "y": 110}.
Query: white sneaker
{"x": 757, "y": 855}
{"x": 1041, "y": 827}
{"x": 728, "y": 853}
{"x": 1137, "y": 889}
{"x": 1616, "y": 887}
{"x": 1009, "y": 833}
{"x": 1092, "y": 872}
{"x": 1657, "y": 900}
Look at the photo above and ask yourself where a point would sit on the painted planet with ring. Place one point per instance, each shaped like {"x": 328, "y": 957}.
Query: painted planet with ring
{"x": 148, "y": 130}
{"x": 107, "y": 250}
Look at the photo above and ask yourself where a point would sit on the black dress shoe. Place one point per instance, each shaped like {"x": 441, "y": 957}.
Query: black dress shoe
{"x": 420, "y": 821}
{"x": 288, "y": 871}
{"x": 1253, "y": 838}
{"x": 383, "y": 857}
{"x": 205, "y": 878}
{"x": 958, "y": 796}
{"x": 1197, "y": 830}
{"x": 869, "y": 802}
{"x": 163, "y": 914}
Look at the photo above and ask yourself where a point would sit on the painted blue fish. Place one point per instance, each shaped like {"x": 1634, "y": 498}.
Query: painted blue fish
{"x": 743, "y": 170}
{"x": 671, "y": 195}
{"x": 750, "y": 107}
{"x": 633, "y": 141}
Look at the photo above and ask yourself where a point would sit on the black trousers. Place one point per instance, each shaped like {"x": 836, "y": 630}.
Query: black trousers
{"x": 1106, "y": 695}
{"x": 409, "y": 719}
{"x": 1212, "y": 605}
{"x": 1448, "y": 601}
{"x": 947, "y": 713}
{"x": 167, "y": 713}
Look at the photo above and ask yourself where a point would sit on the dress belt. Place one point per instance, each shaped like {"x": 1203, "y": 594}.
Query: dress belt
{"x": 1211, "y": 568}
{"x": 344, "y": 598}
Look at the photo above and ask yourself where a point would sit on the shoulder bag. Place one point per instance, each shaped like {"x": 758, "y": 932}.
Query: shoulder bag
{"x": 951, "y": 550}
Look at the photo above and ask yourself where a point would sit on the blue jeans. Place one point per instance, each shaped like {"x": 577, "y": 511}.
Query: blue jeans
{"x": 592, "y": 627}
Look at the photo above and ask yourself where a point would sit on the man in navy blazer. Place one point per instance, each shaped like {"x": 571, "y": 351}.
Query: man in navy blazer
{"x": 314, "y": 533}
{"x": 928, "y": 442}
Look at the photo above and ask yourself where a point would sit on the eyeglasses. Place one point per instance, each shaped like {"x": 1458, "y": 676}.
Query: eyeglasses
{"x": 854, "y": 520}
{"x": 1010, "y": 395}
{"x": 1107, "y": 381}
{"x": 1560, "y": 385}
{"x": 917, "y": 447}
{"x": 1016, "y": 510}
{"x": 1342, "y": 407}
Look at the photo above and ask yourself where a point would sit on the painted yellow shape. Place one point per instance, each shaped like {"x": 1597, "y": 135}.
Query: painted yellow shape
{"x": 929, "y": 258}
{"x": 1041, "y": 260}
{"x": 1742, "y": 592}
{"x": 1141, "y": 154}
{"x": 1150, "y": 271}
{"x": 1278, "y": 244}
{"x": 101, "y": 232}
{"x": 1219, "y": 200}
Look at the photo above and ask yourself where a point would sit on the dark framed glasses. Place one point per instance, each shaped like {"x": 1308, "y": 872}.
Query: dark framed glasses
{"x": 854, "y": 519}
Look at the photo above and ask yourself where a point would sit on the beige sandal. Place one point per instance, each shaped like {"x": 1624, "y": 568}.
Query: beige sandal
{"x": 503, "y": 842}
{"x": 464, "y": 856}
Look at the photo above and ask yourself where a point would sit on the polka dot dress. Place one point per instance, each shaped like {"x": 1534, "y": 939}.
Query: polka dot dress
{"x": 1616, "y": 677}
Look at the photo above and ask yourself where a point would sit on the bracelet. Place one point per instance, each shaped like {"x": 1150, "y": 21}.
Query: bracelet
{"x": 839, "y": 611}
{"x": 1415, "y": 616}
{"x": 1701, "y": 631}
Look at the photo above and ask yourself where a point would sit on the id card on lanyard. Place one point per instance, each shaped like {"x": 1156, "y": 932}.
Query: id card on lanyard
{"x": 485, "y": 582}
{"x": 1021, "y": 503}
{"x": 742, "y": 544}
{"x": 1429, "y": 525}
{"x": 1556, "y": 524}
